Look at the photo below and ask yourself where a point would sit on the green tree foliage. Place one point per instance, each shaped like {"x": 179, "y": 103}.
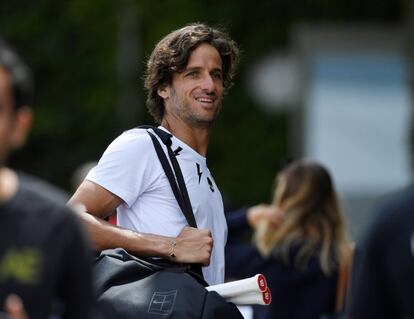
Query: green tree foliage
{"x": 70, "y": 47}
{"x": 73, "y": 47}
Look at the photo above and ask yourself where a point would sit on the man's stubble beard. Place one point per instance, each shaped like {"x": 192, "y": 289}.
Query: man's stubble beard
{"x": 187, "y": 114}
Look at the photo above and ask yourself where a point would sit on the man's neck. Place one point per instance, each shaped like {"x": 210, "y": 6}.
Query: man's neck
{"x": 195, "y": 137}
{"x": 8, "y": 184}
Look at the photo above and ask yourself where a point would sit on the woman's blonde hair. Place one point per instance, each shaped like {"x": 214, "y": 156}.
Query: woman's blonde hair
{"x": 313, "y": 222}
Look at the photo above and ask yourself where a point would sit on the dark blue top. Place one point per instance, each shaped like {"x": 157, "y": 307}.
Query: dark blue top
{"x": 296, "y": 294}
{"x": 383, "y": 270}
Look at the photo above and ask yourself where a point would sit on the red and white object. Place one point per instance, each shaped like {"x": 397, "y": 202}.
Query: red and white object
{"x": 252, "y": 298}
{"x": 247, "y": 291}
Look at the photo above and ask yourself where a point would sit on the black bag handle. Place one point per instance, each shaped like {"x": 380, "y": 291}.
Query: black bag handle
{"x": 175, "y": 179}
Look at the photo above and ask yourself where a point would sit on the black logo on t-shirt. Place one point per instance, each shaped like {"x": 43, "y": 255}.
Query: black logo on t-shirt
{"x": 210, "y": 184}
{"x": 199, "y": 172}
{"x": 177, "y": 151}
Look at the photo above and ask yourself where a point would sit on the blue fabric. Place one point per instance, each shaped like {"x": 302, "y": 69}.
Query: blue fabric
{"x": 237, "y": 221}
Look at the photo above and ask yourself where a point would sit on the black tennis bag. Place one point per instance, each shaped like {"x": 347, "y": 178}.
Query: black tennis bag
{"x": 147, "y": 288}
{"x": 131, "y": 287}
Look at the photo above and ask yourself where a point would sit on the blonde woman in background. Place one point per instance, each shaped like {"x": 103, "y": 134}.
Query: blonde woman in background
{"x": 302, "y": 253}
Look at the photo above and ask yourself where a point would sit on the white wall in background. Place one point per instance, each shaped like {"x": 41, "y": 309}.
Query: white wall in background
{"x": 357, "y": 119}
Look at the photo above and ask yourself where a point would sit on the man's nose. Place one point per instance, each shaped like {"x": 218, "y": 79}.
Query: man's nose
{"x": 208, "y": 83}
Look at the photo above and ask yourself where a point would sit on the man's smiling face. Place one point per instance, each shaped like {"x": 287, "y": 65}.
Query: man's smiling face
{"x": 196, "y": 93}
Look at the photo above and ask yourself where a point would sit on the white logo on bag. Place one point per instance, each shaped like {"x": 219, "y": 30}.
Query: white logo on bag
{"x": 162, "y": 303}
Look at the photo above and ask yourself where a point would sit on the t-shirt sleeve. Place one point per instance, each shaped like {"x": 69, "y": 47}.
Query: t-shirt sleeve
{"x": 125, "y": 166}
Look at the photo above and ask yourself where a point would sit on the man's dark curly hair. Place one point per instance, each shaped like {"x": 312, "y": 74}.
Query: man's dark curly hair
{"x": 171, "y": 56}
{"x": 20, "y": 76}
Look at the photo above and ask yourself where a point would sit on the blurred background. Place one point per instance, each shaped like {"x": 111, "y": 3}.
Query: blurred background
{"x": 326, "y": 79}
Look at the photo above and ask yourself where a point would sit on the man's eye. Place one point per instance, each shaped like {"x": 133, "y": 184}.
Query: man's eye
{"x": 217, "y": 76}
{"x": 192, "y": 74}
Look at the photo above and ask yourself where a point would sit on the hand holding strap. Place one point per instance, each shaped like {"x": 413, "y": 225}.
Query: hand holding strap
{"x": 176, "y": 181}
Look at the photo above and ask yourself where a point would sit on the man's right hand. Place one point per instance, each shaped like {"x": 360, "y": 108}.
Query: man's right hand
{"x": 194, "y": 246}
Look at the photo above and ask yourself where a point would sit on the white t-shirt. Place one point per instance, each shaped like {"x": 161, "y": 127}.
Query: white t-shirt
{"x": 130, "y": 169}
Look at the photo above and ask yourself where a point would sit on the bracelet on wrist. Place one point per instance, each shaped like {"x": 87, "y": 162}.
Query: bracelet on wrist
{"x": 173, "y": 244}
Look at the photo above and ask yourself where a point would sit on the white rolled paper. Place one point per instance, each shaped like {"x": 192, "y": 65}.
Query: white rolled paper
{"x": 256, "y": 283}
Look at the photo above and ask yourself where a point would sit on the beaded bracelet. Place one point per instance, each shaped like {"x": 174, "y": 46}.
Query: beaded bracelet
{"x": 173, "y": 244}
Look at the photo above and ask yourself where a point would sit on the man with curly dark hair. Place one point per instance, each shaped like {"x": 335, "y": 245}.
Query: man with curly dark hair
{"x": 187, "y": 75}
{"x": 171, "y": 56}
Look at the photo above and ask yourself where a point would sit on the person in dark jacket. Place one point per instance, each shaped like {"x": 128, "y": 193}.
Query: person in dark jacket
{"x": 383, "y": 270}
{"x": 45, "y": 259}
{"x": 300, "y": 255}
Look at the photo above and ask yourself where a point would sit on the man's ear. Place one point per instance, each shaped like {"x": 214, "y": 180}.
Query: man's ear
{"x": 22, "y": 125}
{"x": 164, "y": 91}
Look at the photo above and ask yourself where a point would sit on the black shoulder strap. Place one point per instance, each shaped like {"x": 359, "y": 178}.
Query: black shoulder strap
{"x": 180, "y": 190}
{"x": 176, "y": 179}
